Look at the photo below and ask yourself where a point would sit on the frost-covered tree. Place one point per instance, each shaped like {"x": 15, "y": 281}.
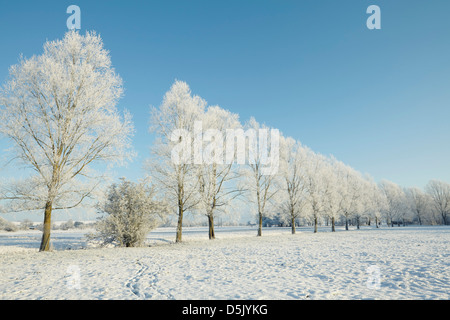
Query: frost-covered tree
{"x": 333, "y": 187}
{"x": 351, "y": 203}
{"x": 316, "y": 185}
{"x": 175, "y": 173}
{"x": 293, "y": 198}
{"x": 375, "y": 202}
{"x": 396, "y": 200}
{"x": 419, "y": 202}
{"x": 132, "y": 211}
{"x": 440, "y": 193}
{"x": 26, "y": 224}
{"x": 217, "y": 176}
{"x": 261, "y": 181}
{"x": 369, "y": 203}
{"x": 58, "y": 111}
{"x": 67, "y": 225}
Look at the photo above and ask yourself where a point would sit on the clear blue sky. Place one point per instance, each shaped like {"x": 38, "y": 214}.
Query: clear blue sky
{"x": 379, "y": 100}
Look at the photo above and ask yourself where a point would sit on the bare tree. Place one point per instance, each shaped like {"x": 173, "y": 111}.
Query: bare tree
{"x": 59, "y": 112}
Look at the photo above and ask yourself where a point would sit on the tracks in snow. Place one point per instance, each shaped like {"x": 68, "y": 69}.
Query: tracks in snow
{"x": 144, "y": 283}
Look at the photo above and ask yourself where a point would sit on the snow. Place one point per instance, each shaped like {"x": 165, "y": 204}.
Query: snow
{"x": 413, "y": 263}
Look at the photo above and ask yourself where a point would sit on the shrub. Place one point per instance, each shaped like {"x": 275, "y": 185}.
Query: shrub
{"x": 6, "y": 225}
{"x": 131, "y": 212}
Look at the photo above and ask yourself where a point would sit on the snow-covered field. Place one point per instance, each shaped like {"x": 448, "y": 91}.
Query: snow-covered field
{"x": 389, "y": 263}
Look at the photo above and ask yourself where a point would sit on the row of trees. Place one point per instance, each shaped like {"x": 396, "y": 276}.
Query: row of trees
{"x": 58, "y": 111}
{"x": 306, "y": 185}
{"x": 329, "y": 189}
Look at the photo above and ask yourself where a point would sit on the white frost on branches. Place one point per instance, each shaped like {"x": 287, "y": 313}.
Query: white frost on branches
{"x": 58, "y": 110}
{"x": 132, "y": 211}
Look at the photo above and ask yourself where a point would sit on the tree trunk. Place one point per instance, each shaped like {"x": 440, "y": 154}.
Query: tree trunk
{"x": 260, "y": 225}
{"x": 444, "y": 218}
{"x": 315, "y": 224}
{"x": 45, "y": 243}
{"x": 180, "y": 224}
{"x": 346, "y": 223}
{"x": 293, "y": 225}
{"x": 332, "y": 225}
{"x": 211, "y": 226}
{"x": 376, "y": 222}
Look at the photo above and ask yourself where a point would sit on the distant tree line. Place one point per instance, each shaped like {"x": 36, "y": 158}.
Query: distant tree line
{"x": 27, "y": 224}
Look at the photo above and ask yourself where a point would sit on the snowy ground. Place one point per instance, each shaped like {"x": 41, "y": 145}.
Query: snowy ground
{"x": 413, "y": 263}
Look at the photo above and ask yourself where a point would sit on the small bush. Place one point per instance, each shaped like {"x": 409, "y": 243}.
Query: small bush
{"x": 131, "y": 212}
{"x": 5, "y": 225}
